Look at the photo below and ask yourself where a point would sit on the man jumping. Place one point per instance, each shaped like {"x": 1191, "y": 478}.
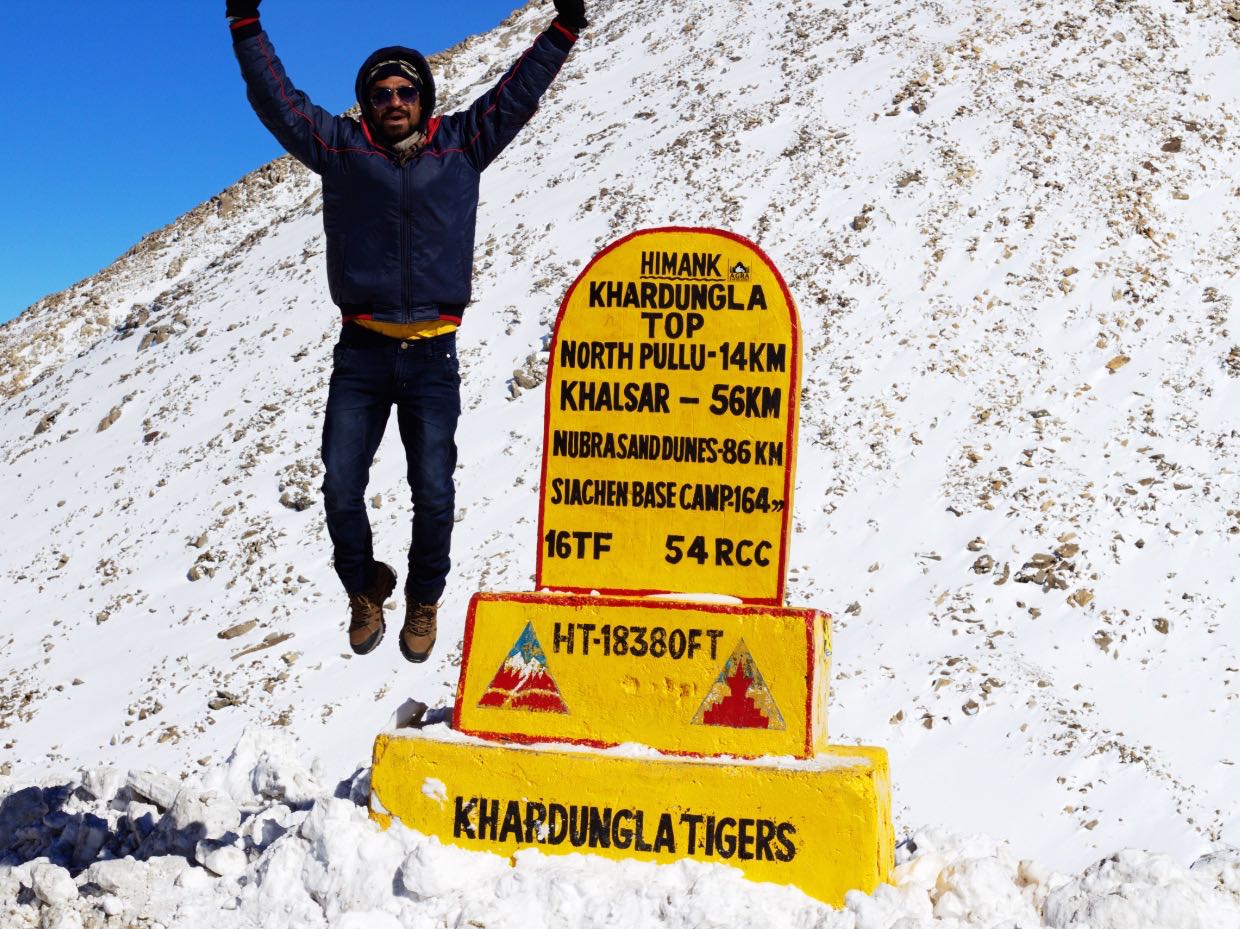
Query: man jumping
{"x": 400, "y": 201}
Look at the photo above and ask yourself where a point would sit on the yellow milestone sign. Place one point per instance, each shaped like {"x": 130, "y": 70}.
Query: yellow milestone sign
{"x": 821, "y": 824}
{"x": 672, "y": 398}
{"x": 680, "y": 677}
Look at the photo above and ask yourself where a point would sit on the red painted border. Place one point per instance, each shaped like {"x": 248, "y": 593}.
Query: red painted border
{"x": 466, "y": 644}
{"x": 561, "y": 599}
{"x": 809, "y": 686}
{"x": 808, "y": 614}
{"x": 793, "y": 421}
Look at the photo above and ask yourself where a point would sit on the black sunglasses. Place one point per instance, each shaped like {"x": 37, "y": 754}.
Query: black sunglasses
{"x": 381, "y": 96}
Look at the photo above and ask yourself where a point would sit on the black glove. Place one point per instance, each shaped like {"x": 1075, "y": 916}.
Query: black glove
{"x": 242, "y": 9}
{"x": 572, "y": 14}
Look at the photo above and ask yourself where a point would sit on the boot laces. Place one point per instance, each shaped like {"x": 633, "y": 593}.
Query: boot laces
{"x": 362, "y": 607}
{"x": 421, "y": 619}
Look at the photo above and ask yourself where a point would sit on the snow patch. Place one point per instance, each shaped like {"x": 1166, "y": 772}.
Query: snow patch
{"x": 435, "y": 789}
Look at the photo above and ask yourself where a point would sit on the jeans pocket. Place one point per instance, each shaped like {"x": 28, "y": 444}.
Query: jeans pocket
{"x": 340, "y": 357}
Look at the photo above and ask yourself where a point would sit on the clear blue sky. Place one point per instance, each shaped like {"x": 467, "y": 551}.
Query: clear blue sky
{"x": 123, "y": 116}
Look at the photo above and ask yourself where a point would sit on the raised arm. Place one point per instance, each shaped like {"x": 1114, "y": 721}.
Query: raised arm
{"x": 497, "y": 116}
{"x": 309, "y": 133}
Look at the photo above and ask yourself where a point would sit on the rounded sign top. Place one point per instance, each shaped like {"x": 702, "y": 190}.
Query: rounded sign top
{"x": 672, "y": 401}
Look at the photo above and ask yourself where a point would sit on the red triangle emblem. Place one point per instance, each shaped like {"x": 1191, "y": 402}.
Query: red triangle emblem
{"x": 739, "y": 698}
{"x": 523, "y": 681}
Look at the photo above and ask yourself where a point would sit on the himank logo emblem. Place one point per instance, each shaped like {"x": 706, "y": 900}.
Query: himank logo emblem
{"x": 739, "y": 698}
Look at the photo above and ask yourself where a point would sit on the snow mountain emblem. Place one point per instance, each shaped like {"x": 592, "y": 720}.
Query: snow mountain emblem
{"x": 738, "y": 272}
{"x": 523, "y": 681}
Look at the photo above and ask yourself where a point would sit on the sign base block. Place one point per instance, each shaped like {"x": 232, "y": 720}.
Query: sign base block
{"x": 821, "y": 824}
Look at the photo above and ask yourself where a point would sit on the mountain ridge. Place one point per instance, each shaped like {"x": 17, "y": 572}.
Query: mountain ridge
{"x": 1011, "y": 235}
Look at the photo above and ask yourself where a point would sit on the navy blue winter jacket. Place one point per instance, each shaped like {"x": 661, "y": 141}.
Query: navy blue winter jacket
{"x": 400, "y": 238}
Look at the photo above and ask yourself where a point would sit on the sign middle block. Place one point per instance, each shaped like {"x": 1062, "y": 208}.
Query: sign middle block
{"x": 681, "y": 677}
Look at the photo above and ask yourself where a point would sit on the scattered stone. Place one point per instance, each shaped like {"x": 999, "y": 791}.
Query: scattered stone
{"x": 47, "y": 421}
{"x": 237, "y": 631}
{"x": 976, "y": 545}
{"x": 1081, "y": 597}
{"x": 1161, "y": 625}
{"x": 222, "y": 700}
{"x": 984, "y": 565}
{"x": 110, "y": 419}
{"x": 525, "y": 379}
{"x": 1117, "y": 362}
{"x": 1232, "y": 361}
{"x": 298, "y": 502}
{"x": 1173, "y": 146}
{"x": 1044, "y": 570}
{"x": 157, "y": 336}
{"x": 273, "y": 639}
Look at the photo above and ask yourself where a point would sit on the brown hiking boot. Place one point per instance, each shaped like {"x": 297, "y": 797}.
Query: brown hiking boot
{"x": 366, "y": 624}
{"x": 417, "y": 638}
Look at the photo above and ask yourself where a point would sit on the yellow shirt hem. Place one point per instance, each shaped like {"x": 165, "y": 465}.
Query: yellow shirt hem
{"x": 426, "y": 330}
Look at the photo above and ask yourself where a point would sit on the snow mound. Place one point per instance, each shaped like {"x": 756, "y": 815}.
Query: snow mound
{"x": 259, "y": 841}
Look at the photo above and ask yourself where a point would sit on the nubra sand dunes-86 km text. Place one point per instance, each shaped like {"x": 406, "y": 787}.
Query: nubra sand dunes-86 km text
{"x": 1011, "y": 231}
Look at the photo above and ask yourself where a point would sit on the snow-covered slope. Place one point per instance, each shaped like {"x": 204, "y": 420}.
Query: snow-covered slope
{"x": 1011, "y": 229}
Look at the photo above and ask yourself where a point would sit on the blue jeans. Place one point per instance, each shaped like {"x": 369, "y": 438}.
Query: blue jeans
{"x": 420, "y": 377}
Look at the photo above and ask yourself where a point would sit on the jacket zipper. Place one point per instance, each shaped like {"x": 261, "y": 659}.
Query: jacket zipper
{"x": 406, "y": 243}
